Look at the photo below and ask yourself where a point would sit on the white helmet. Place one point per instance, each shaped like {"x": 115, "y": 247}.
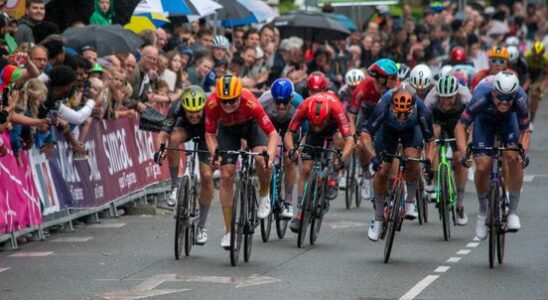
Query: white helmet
{"x": 353, "y": 77}
{"x": 512, "y": 41}
{"x": 506, "y": 83}
{"x": 513, "y": 54}
{"x": 220, "y": 41}
{"x": 446, "y": 70}
{"x": 421, "y": 77}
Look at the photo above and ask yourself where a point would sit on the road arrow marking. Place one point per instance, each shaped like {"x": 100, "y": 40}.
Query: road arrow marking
{"x": 344, "y": 224}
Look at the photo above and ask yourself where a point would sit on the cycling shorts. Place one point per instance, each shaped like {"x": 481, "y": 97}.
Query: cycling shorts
{"x": 229, "y": 138}
{"x": 386, "y": 140}
{"x": 317, "y": 139}
{"x": 484, "y": 130}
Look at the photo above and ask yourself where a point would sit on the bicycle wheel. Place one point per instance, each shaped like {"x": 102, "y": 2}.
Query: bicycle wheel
{"x": 317, "y": 214}
{"x": 281, "y": 224}
{"x": 251, "y": 221}
{"x": 420, "y": 204}
{"x": 190, "y": 232}
{"x": 492, "y": 220}
{"x": 501, "y": 228}
{"x": 424, "y": 199}
{"x": 306, "y": 207}
{"x": 350, "y": 182}
{"x": 393, "y": 222}
{"x": 181, "y": 218}
{"x": 444, "y": 203}
{"x": 357, "y": 194}
{"x": 237, "y": 223}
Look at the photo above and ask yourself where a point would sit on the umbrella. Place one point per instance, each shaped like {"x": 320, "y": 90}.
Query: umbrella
{"x": 203, "y": 8}
{"x": 259, "y": 9}
{"x": 110, "y": 39}
{"x": 142, "y": 21}
{"x": 310, "y": 26}
{"x": 234, "y": 14}
{"x": 343, "y": 19}
{"x": 172, "y": 7}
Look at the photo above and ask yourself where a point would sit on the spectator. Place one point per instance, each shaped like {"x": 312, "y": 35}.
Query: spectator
{"x": 56, "y": 53}
{"x": 89, "y": 53}
{"x": 145, "y": 73}
{"x": 161, "y": 38}
{"x": 103, "y": 13}
{"x": 251, "y": 38}
{"x": 238, "y": 39}
{"x": 130, "y": 63}
{"x": 32, "y": 28}
{"x": 197, "y": 73}
{"x": 39, "y": 56}
{"x": 266, "y": 36}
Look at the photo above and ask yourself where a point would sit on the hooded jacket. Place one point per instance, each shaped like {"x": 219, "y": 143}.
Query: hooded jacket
{"x": 100, "y": 18}
{"x": 25, "y": 31}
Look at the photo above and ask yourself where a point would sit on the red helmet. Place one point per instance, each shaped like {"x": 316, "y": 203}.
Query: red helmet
{"x": 318, "y": 109}
{"x": 316, "y": 82}
{"x": 458, "y": 55}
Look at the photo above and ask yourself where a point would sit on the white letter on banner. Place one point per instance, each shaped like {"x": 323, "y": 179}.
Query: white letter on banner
{"x": 107, "y": 153}
{"x": 94, "y": 173}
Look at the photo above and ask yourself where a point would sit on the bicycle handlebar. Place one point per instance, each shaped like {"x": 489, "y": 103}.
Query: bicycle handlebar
{"x": 336, "y": 151}
{"x": 406, "y": 159}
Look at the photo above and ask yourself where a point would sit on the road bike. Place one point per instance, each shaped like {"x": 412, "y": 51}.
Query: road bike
{"x": 446, "y": 189}
{"x": 277, "y": 200}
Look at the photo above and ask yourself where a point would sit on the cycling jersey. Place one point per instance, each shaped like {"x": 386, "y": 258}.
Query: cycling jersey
{"x": 345, "y": 94}
{"x": 536, "y": 66}
{"x": 250, "y": 109}
{"x": 448, "y": 119}
{"x": 365, "y": 94}
{"x": 520, "y": 67}
{"x": 478, "y": 77}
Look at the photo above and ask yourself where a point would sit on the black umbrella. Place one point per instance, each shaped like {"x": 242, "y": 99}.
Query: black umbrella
{"x": 233, "y": 10}
{"x": 111, "y": 39}
{"x": 310, "y": 26}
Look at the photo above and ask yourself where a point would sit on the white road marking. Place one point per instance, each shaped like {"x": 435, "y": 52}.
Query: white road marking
{"x": 472, "y": 245}
{"x": 453, "y": 259}
{"x": 32, "y": 254}
{"x": 76, "y": 239}
{"x": 441, "y": 269}
{"x": 3, "y": 269}
{"x": 419, "y": 287}
{"x": 463, "y": 251}
{"x": 476, "y": 239}
{"x": 107, "y": 225}
{"x": 345, "y": 224}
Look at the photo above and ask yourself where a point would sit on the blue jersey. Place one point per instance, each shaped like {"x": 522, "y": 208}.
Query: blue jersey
{"x": 383, "y": 115}
{"x": 482, "y": 104}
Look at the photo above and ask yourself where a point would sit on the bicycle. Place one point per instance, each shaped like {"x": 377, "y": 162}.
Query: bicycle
{"x": 314, "y": 203}
{"x": 277, "y": 201}
{"x": 352, "y": 190}
{"x": 446, "y": 189}
{"x": 187, "y": 211}
{"x": 244, "y": 208}
{"x": 394, "y": 212}
{"x": 422, "y": 201}
{"x": 498, "y": 201}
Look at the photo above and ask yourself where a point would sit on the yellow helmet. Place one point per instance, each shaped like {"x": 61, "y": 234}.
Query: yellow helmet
{"x": 228, "y": 87}
{"x": 193, "y": 98}
{"x": 538, "y": 48}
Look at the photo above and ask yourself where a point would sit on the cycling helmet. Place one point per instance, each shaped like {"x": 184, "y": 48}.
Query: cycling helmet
{"x": 353, "y": 77}
{"x": 220, "y": 41}
{"x": 538, "y": 48}
{"x": 498, "y": 52}
{"x": 513, "y": 54}
{"x": 446, "y": 70}
{"x": 402, "y": 100}
{"x": 462, "y": 77}
{"x": 403, "y": 71}
{"x": 282, "y": 90}
{"x": 193, "y": 98}
{"x": 316, "y": 82}
{"x": 228, "y": 87}
{"x": 512, "y": 41}
{"x": 458, "y": 55}
{"x": 506, "y": 83}
{"x": 318, "y": 109}
{"x": 421, "y": 77}
{"x": 383, "y": 67}
{"x": 447, "y": 86}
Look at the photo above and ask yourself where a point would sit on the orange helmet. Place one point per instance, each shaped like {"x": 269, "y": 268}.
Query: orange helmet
{"x": 402, "y": 100}
{"x": 228, "y": 87}
{"x": 318, "y": 109}
{"x": 498, "y": 52}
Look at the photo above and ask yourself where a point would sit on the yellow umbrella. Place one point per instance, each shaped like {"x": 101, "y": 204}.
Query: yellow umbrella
{"x": 144, "y": 21}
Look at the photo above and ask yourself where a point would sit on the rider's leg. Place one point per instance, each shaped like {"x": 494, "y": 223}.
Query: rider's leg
{"x": 206, "y": 192}
{"x": 481, "y": 179}
{"x": 290, "y": 174}
{"x": 515, "y": 181}
{"x": 412, "y": 173}
{"x": 226, "y": 192}
{"x": 380, "y": 186}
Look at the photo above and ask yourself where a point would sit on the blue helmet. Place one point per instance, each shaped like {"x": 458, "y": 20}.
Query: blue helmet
{"x": 383, "y": 67}
{"x": 282, "y": 90}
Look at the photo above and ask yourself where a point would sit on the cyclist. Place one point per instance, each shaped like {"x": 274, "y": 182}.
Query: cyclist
{"x": 421, "y": 80}
{"x": 327, "y": 120}
{"x": 280, "y": 104}
{"x": 399, "y": 115}
{"x": 517, "y": 63}
{"x": 382, "y": 76}
{"x": 238, "y": 114}
{"x": 403, "y": 71}
{"x": 537, "y": 64}
{"x": 498, "y": 61}
{"x": 447, "y": 102}
{"x": 497, "y": 107}
{"x": 184, "y": 121}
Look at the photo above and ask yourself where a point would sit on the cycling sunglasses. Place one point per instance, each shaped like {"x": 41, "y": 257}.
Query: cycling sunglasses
{"x": 500, "y": 61}
{"x": 229, "y": 102}
{"x": 504, "y": 98}
{"x": 279, "y": 102}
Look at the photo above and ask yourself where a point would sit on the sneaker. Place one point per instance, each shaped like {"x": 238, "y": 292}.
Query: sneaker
{"x": 411, "y": 211}
{"x": 513, "y": 223}
{"x": 332, "y": 189}
{"x": 264, "y": 207}
{"x": 374, "y": 231}
{"x": 481, "y": 228}
{"x": 287, "y": 211}
{"x": 225, "y": 241}
{"x": 201, "y": 238}
{"x": 462, "y": 218}
{"x": 296, "y": 223}
{"x": 531, "y": 127}
{"x": 342, "y": 183}
{"x": 172, "y": 198}
{"x": 365, "y": 189}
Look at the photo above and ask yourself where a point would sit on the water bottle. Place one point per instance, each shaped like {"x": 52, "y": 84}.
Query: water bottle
{"x": 449, "y": 153}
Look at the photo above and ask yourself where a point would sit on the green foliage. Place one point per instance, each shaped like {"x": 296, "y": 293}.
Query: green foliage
{"x": 286, "y": 5}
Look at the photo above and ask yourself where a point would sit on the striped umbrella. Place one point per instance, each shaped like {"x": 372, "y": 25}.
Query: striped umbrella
{"x": 143, "y": 21}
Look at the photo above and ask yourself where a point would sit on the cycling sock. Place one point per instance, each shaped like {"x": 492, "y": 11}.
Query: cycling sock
{"x": 204, "y": 209}
{"x": 366, "y": 173}
{"x": 460, "y": 197}
{"x": 514, "y": 201}
{"x": 483, "y": 202}
{"x": 289, "y": 195}
{"x": 411, "y": 191}
{"x": 379, "y": 207}
{"x": 174, "y": 174}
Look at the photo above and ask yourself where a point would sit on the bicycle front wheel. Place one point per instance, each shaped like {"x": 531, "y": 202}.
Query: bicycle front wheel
{"x": 350, "y": 182}
{"x": 181, "y": 217}
{"x": 492, "y": 221}
{"x": 444, "y": 203}
{"x": 317, "y": 214}
{"x": 501, "y": 228}
{"x": 306, "y": 210}
{"x": 237, "y": 223}
{"x": 394, "y": 219}
{"x": 251, "y": 221}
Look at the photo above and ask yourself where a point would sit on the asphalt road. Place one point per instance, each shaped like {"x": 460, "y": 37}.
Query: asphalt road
{"x": 133, "y": 258}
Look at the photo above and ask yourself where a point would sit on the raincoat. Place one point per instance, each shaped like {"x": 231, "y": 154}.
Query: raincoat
{"x": 100, "y": 18}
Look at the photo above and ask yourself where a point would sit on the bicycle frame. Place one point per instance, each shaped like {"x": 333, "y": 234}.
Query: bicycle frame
{"x": 448, "y": 163}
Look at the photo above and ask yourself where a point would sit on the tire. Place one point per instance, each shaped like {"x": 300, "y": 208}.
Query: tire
{"x": 350, "y": 182}
{"x": 237, "y": 223}
{"x": 180, "y": 218}
{"x": 444, "y": 203}
{"x": 420, "y": 204}
{"x": 266, "y": 224}
{"x": 189, "y": 239}
{"x": 393, "y": 222}
{"x": 502, "y": 227}
{"x": 281, "y": 224}
{"x": 425, "y": 202}
{"x": 493, "y": 198}
{"x": 317, "y": 215}
{"x": 357, "y": 194}
{"x": 251, "y": 222}
{"x": 306, "y": 207}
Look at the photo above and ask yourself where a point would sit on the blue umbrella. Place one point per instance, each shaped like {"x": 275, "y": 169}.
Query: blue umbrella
{"x": 343, "y": 19}
{"x": 173, "y": 7}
